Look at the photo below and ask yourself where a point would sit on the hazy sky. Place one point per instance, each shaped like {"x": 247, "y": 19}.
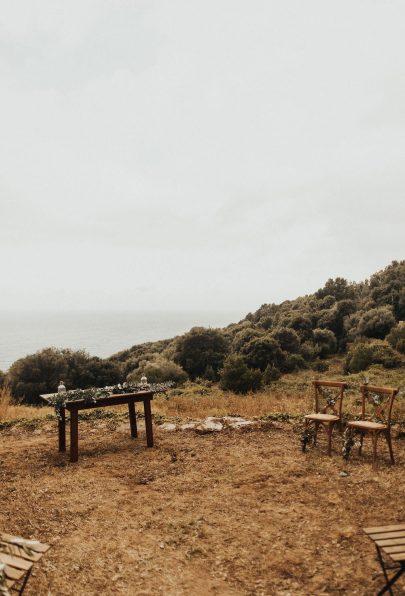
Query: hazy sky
{"x": 197, "y": 154}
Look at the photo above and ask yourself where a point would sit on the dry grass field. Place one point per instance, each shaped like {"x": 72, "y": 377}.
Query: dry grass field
{"x": 239, "y": 512}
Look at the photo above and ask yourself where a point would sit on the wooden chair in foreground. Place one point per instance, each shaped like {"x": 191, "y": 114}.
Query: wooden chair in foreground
{"x": 390, "y": 544}
{"x": 328, "y": 396}
{"x": 17, "y": 557}
{"x": 376, "y": 411}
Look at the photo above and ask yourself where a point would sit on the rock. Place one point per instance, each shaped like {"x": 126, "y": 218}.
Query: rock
{"x": 209, "y": 425}
{"x": 188, "y": 426}
{"x": 241, "y": 423}
{"x": 343, "y": 473}
{"x": 168, "y": 426}
{"x": 230, "y": 419}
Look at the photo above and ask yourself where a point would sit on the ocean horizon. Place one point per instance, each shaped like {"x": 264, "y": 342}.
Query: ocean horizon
{"x": 99, "y": 333}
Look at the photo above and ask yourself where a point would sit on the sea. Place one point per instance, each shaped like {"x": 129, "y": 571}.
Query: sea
{"x": 99, "y": 333}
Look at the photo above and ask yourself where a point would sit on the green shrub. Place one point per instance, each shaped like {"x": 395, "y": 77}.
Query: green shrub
{"x": 265, "y": 323}
{"x": 320, "y": 366}
{"x": 41, "y": 372}
{"x": 209, "y": 373}
{"x": 363, "y": 354}
{"x": 327, "y": 302}
{"x": 376, "y": 322}
{"x": 325, "y": 341}
{"x": 244, "y": 336}
{"x": 237, "y": 377}
{"x": 260, "y": 352}
{"x": 288, "y": 339}
{"x": 302, "y": 324}
{"x": 158, "y": 371}
{"x": 396, "y": 338}
{"x": 291, "y": 362}
{"x": 200, "y": 348}
{"x": 271, "y": 374}
{"x": 309, "y": 351}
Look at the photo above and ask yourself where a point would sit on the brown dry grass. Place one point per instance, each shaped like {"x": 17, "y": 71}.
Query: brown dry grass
{"x": 9, "y": 410}
{"x": 201, "y": 402}
{"x": 231, "y": 514}
{"x": 5, "y": 401}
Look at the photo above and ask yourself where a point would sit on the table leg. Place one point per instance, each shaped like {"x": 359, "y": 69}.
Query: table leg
{"x": 132, "y": 419}
{"x": 62, "y": 429}
{"x": 148, "y": 422}
{"x": 74, "y": 435}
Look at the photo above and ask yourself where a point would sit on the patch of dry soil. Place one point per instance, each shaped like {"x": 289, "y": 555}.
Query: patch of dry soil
{"x": 230, "y": 513}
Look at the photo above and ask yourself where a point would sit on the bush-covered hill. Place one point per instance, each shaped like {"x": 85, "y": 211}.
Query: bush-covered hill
{"x": 362, "y": 321}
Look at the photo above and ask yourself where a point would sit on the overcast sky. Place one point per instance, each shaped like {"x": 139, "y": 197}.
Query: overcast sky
{"x": 197, "y": 154}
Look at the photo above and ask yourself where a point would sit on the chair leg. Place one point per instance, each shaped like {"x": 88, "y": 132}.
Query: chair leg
{"x": 384, "y": 570}
{"x": 316, "y": 432}
{"x": 330, "y": 430}
{"x": 361, "y": 443}
{"x": 26, "y": 578}
{"x": 374, "y": 437}
{"x": 305, "y": 436}
{"x": 388, "y": 437}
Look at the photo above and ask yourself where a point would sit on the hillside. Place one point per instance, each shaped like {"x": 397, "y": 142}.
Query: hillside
{"x": 361, "y": 322}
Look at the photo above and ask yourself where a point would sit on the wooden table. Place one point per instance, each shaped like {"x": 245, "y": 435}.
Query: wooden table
{"x": 113, "y": 400}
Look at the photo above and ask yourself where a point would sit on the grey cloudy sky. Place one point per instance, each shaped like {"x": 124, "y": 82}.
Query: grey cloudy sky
{"x": 197, "y": 155}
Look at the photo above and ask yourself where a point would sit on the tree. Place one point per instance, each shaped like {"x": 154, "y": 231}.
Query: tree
{"x": 41, "y": 372}
{"x": 237, "y": 377}
{"x": 339, "y": 288}
{"x": 199, "y": 348}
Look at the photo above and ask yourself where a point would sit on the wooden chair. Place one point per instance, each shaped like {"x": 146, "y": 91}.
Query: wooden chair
{"x": 17, "y": 557}
{"x": 390, "y": 544}
{"x": 328, "y": 396}
{"x": 376, "y": 410}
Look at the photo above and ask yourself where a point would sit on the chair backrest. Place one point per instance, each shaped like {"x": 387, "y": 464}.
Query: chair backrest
{"x": 329, "y": 396}
{"x": 377, "y": 402}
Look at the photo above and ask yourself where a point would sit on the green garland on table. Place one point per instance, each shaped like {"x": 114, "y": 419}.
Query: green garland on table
{"x": 91, "y": 395}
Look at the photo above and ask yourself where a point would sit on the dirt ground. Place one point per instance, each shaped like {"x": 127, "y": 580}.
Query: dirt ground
{"x": 231, "y": 513}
